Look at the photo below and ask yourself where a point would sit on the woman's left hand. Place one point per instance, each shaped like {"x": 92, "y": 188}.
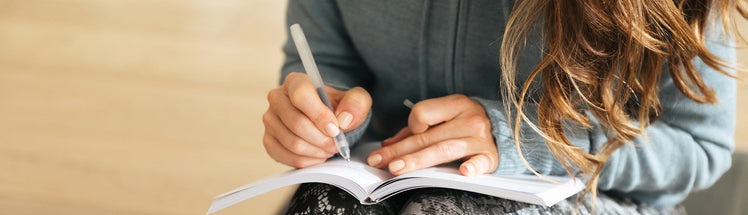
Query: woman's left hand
{"x": 441, "y": 130}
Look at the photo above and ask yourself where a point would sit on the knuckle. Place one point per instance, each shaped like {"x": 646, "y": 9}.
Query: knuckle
{"x": 387, "y": 153}
{"x": 296, "y": 98}
{"x": 355, "y": 101}
{"x": 445, "y": 149}
{"x": 360, "y": 97}
{"x": 477, "y": 119}
{"x": 273, "y": 95}
{"x": 417, "y": 109}
{"x": 297, "y": 146}
{"x": 267, "y": 118}
{"x": 290, "y": 77}
{"x": 418, "y": 114}
{"x": 358, "y": 89}
{"x": 456, "y": 147}
{"x": 270, "y": 96}
{"x": 421, "y": 140}
{"x": 460, "y": 98}
{"x": 476, "y": 122}
{"x": 298, "y": 163}
{"x": 297, "y": 125}
{"x": 464, "y": 101}
{"x": 266, "y": 142}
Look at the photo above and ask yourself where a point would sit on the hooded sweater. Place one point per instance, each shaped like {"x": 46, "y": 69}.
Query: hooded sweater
{"x": 421, "y": 49}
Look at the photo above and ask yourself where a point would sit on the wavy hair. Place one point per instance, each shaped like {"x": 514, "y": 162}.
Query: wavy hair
{"x": 607, "y": 57}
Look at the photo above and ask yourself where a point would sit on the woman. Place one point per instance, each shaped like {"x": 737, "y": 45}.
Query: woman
{"x": 636, "y": 96}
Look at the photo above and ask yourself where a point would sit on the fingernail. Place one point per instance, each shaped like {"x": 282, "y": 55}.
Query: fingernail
{"x": 374, "y": 159}
{"x": 344, "y": 120}
{"x": 332, "y": 130}
{"x": 396, "y": 165}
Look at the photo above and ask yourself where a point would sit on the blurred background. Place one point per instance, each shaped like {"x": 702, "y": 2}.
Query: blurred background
{"x": 143, "y": 106}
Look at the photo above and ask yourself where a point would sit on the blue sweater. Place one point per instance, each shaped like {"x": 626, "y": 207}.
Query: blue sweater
{"x": 425, "y": 49}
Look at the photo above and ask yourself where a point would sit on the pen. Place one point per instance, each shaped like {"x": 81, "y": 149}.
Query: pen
{"x": 313, "y": 72}
{"x": 408, "y": 103}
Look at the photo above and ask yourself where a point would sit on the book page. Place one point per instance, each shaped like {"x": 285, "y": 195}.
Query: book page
{"x": 370, "y": 185}
{"x": 363, "y": 175}
{"x": 524, "y": 188}
{"x": 355, "y": 177}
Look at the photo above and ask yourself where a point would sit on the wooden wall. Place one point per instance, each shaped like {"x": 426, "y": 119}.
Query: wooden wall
{"x": 141, "y": 106}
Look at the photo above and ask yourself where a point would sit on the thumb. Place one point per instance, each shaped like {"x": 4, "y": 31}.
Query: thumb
{"x": 478, "y": 164}
{"x": 352, "y": 108}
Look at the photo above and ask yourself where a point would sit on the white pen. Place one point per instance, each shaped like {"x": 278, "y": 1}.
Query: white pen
{"x": 313, "y": 72}
{"x": 408, "y": 103}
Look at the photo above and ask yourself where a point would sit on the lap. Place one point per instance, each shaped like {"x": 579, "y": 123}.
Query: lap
{"x": 317, "y": 198}
{"x": 446, "y": 201}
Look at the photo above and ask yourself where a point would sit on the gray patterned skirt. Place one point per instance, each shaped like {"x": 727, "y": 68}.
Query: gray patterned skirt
{"x": 315, "y": 198}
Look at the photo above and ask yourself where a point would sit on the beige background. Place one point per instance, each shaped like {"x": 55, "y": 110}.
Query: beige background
{"x": 141, "y": 106}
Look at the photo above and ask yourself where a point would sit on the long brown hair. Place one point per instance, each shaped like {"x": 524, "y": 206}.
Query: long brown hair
{"x": 607, "y": 57}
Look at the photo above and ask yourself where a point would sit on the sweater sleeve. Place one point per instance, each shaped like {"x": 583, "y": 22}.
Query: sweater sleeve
{"x": 339, "y": 63}
{"x": 687, "y": 149}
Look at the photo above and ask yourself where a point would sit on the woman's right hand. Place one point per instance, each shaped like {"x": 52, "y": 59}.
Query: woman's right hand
{"x": 299, "y": 127}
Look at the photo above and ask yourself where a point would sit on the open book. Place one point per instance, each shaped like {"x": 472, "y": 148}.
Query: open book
{"x": 371, "y": 185}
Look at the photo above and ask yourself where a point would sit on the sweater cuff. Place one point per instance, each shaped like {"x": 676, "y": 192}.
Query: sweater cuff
{"x": 534, "y": 147}
{"x": 355, "y": 135}
{"x": 510, "y": 162}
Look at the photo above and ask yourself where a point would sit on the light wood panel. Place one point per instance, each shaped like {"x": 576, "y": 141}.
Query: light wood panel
{"x": 140, "y": 106}
{"x": 135, "y": 107}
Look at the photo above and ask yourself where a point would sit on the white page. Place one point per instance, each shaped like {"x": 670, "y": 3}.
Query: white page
{"x": 360, "y": 180}
{"x": 355, "y": 177}
{"x": 524, "y": 188}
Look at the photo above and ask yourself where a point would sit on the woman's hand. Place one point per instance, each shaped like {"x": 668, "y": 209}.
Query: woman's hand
{"x": 299, "y": 127}
{"x": 441, "y": 130}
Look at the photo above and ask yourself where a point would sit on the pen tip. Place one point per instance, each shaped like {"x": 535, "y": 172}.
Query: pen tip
{"x": 348, "y": 159}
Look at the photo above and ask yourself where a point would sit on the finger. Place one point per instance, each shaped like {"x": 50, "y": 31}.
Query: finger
{"x": 290, "y": 141}
{"x": 335, "y": 95}
{"x": 439, "y": 153}
{"x": 281, "y": 154}
{"x": 434, "y": 111}
{"x": 402, "y": 134}
{"x": 352, "y": 109}
{"x": 304, "y": 97}
{"x": 416, "y": 142}
{"x": 478, "y": 164}
{"x": 298, "y": 123}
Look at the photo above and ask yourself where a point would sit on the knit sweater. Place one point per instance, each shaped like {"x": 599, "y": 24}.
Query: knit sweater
{"x": 418, "y": 50}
